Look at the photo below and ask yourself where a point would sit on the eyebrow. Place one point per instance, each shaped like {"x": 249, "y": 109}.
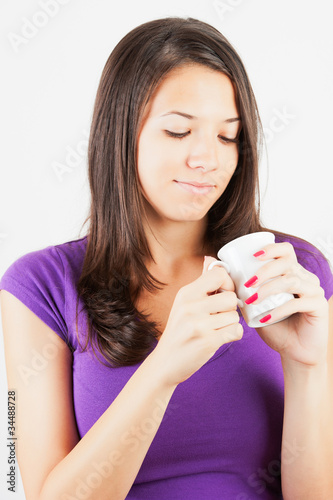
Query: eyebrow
{"x": 191, "y": 117}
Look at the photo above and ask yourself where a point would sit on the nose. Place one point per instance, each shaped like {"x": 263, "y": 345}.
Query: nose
{"x": 203, "y": 154}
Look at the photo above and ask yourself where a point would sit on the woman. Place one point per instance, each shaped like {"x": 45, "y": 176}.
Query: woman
{"x": 134, "y": 378}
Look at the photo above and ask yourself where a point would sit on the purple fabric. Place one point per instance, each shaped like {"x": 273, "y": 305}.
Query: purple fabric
{"x": 220, "y": 437}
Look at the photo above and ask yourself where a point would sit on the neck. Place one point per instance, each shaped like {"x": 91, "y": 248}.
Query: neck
{"x": 173, "y": 242}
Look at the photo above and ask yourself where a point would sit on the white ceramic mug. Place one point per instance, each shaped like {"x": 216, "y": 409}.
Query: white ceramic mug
{"x": 237, "y": 259}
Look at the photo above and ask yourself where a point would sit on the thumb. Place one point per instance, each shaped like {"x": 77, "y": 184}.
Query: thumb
{"x": 207, "y": 261}
{"x": 228, "y": 284}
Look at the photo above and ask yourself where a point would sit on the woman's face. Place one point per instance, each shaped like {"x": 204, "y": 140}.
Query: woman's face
{"x": 187, "y": 137}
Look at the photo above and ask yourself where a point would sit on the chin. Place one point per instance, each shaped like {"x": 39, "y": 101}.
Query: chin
{"x": 180, "y": 212}
{"x": 193, "y": 211}
{"x": 187, "y": 215}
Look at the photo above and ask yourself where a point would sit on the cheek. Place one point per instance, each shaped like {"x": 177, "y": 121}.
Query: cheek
{"x": 227, "y": 166}
{"x": 157, "y": 161}
{"x": 151, "y": 149}
{"x": 230, "y": 158}
{"x": 153, "y": 172}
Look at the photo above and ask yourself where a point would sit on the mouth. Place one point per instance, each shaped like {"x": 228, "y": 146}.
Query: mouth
{"x": 195, "y": 187}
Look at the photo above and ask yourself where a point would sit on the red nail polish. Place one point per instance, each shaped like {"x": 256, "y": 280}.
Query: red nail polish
{"x": 251, "y": 281}
{"x": 266, "y": 318}
{"x": 251, "y": 299}
{"x": 257, "y": 254}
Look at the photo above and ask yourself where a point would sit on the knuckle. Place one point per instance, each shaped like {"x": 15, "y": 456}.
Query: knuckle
{"x": 292, "y": 281}
{"x": 234, "y": 299}
{"x": 223, "y": 273}
{"x": 235, "y": 316}
{"x": 182, "y": 293}
{"x": 301, "y": 271}
{"x": 234, "y": 332}
{"x": 239, "y": 331}
{"x": 295, "y": 268}
{"x": 230, "y": 298}
{"x": 288, "y": 246}
{"x": 316, "y": 280}
{"x": 183, "y": 297}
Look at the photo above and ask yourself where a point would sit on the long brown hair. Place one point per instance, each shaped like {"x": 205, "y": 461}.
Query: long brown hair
{"x": 113, "y": 269}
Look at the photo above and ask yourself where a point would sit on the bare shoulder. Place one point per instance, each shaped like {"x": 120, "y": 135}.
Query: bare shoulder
{"x": 39, "y": 370}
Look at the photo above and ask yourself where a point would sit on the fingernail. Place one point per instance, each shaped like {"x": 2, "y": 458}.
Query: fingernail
{"x": 251, "y": 281}
{"x": 257, "y": 254}
{"x": 266, "y": 318}
{"x": 251, "y": 299}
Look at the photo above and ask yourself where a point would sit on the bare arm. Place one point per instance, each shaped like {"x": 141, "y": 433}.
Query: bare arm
{"x": 307, "y": 453}
{"x": 107, "y": 459}
{"x": 54, "y": 463}
{"x": 307, "y": 442}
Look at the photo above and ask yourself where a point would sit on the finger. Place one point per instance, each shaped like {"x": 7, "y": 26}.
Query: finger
{"x": 223, "y": 319}
{"x": 281, "y": 259}
{"x": 222, "y": 336}
{"x": 290, "y": 284}
{"x": 268, "y": 271}
{"x": 310, "y": 305}
{"x": 207, "y": 262}
{"x": 211, "y": 281}
{"x": 276, "y": 250}
{"x": 214, "y": 322}
{"x": 219, "y": 302}
{"x": 281, "y": 267}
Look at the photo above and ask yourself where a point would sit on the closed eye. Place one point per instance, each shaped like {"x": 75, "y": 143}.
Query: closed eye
{"x": 174, "y": 134}
{"x": 225, "y": 140}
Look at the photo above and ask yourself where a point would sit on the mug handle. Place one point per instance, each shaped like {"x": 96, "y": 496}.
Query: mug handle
{"x": 221, "y": 264}
{"x": 227, "y": 268}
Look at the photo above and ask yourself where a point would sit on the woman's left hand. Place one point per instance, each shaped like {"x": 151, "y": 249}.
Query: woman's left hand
{"x": 303, "y": 337}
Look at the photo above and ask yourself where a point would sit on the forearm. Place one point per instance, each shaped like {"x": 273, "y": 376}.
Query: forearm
{"x": 112, "y": 451}
{"x": 307, "y": 441}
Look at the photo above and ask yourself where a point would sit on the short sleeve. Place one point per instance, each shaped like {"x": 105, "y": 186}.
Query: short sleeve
{"x": 37, "y": 279}
{"x": 312, "y": 259}
{"x": 317, "y": 264}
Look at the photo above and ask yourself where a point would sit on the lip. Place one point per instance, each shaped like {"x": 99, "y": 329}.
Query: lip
{"x": 199, "y": 184}
{"x": 195, "y": 187}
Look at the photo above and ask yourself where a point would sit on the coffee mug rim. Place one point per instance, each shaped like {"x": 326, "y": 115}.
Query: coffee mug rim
{"x": 245, "y": 236}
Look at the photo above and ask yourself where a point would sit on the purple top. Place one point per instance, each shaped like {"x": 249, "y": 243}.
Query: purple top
{"x": 220, "y": 437}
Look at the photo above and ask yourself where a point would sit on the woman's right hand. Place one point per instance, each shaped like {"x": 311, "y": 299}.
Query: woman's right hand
{"x": 200, "y": 321}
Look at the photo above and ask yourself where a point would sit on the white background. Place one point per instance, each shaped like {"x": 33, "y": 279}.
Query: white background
{"x": 49, "y": 82}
